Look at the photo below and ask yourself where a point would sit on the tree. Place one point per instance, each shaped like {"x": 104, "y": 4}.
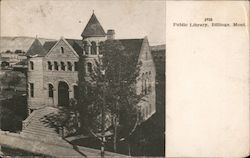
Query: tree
{"x": 116, "y": 87}
{"x": 11, "y": 78}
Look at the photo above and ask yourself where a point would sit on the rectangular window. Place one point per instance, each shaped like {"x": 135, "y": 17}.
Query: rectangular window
{"x": 32, "y": 90}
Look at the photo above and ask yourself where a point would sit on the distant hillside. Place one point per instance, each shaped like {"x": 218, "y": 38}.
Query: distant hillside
{"x": 158, "y": 47}
{"x": 18, "y": 43}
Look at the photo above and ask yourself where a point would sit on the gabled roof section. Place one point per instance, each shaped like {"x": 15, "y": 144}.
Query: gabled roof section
{"x": 36, "y": 49}
{"x": 132, "y": 45}
{"x": 48, "y": 45}
{"x": 93, "y": 28}
{"x": 77, "y": 45}
{"x": 66, "y": 42}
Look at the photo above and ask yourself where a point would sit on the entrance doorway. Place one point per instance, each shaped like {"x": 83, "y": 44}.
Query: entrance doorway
{"x": 63, "y": 94}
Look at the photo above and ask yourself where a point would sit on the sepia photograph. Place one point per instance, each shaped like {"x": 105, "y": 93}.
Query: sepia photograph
{"x": 82, "y": 78}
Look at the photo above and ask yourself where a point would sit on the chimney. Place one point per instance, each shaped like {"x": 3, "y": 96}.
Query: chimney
{"x": 110, "y": 34}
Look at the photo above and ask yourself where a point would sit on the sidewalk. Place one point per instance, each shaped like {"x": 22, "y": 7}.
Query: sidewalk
{"x": 13, "y": 140}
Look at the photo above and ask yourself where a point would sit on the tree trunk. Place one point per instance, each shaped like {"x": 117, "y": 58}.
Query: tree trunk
{"x": 115, "y": 134}
{"x": 129, "y": 150}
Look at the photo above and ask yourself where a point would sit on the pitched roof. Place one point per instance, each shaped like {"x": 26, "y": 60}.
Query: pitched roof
{"x": 48, "y": 45}
{"x": 77, "y": 45}
{"x": 93, "y": 28}
{"x": 36, "y": 49}
{"x": 132, "y": 45}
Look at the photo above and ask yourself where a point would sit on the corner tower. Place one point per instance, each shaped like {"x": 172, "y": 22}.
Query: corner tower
{"x": 92, "y": 35}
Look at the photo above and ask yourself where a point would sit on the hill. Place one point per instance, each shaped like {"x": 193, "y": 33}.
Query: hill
{"x": 158, "y": 47}
{"x": 18, "y": 43}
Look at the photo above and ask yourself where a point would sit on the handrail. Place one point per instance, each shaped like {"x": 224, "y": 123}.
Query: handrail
{"x": 27, "y": 121}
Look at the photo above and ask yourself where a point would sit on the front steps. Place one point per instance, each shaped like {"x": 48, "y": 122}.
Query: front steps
{"x": 38, "y": 127}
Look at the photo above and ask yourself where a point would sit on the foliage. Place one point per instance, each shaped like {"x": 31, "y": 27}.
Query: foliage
{"x": 64, "y": 118}
{"x": 10, "y": 78}
{"x": 12, "y": 113}
{"x": 111, "y": 88}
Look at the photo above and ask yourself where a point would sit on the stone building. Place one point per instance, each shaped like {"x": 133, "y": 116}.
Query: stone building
{"x": 53, "y": 69}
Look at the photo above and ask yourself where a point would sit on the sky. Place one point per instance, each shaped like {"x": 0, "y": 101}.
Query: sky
{"x": 56, "y": 18}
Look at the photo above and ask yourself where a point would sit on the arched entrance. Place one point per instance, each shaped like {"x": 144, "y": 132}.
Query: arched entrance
{"x": 63, "y": 94}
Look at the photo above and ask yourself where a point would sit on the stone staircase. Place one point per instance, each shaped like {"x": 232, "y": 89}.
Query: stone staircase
{"x": 38, "y": 126}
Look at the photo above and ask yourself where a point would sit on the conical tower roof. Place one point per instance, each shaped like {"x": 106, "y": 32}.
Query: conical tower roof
{"x": 93, "y": 28}
{"x": 36, "y": 49}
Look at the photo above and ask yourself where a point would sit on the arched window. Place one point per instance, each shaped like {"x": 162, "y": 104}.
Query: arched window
{"x": 150, "y": 108}
{"x": 31, "y": 65}
{"x": 89, "y": 66}
{"x": 56, "y": 65}
{"x": 62, "y": 66}
{"x": 142, "y": 83}
{"x": 93, "y": 48}
{"x": 86, "y": 47}
{"x": 31, "y": 90}
{"x": 49, "y": 65}
{"x": 69, "y": 66}
{"x": 149, "y": 81}
{"x": 101, "y": 47}
{"x": 62, "y": 50}
{"x": 51, "y": 95}
{"x": 146, "y": 82}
